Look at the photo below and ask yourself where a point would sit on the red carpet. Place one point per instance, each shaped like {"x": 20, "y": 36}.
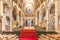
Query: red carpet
{"x": 28, "y": 35}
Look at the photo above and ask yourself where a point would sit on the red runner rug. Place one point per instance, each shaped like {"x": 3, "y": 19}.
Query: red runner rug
{"x": 28, "y": 35}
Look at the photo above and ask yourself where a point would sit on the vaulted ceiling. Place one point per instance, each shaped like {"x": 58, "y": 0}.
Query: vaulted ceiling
{"x": 37, "y": 2}
{"x": 36, "y": 5}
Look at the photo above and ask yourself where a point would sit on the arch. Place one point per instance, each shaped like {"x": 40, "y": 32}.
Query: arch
{"x": 7, "y": 25}
{"x": 52, "y": 9}
{"x": 29, "y": 10}
{"x": 14, "y": 12}
{"x": 19, "y": 15}
{"x": 14, "y": 9}
{"x": 8, "y": 19}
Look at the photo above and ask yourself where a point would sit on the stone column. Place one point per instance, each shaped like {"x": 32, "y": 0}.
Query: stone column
{"x": 22, "y": 21}
{"x": 47, "y": 15}
{"x": 59, "y": 15}
{"x": 1, "y": 13}
{"x": 18, "y": 11}
{"x": 11, "y": 27}
{"x": 47, "y": 20}
{"x": 56, "y": 14}
{"x": 1, "y": 7}
{"x": 35, "y": 19}
{"x": 40, "y": 19}
{"x": 11, "y": 24}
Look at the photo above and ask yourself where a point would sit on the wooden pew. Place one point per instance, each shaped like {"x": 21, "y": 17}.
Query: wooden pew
{"x": 8, "y": 37}
{"x": 52, "y": 37}
{"x": 44, "y": 37}
{"x": 49, "y": 37}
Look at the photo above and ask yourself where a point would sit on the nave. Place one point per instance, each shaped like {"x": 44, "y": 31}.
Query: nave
{"x": 36, "y": 19}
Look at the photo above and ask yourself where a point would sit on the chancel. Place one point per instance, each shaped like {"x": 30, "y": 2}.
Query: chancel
{"x": 29, "y": 19}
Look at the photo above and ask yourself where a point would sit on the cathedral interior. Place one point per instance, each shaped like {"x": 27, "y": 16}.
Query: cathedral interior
{"x": 39, "y": 15}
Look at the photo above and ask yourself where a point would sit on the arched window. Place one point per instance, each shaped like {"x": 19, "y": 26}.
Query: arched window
{"x": 43, "y": 16}
{"x": 52, "y": 10}
{"x": 38, "y": 15}
{"x": 29, "y": 10}
{"x": 8, "y": 20}
{"x": 14, "y": 17}
{"x": 19, "y": 15}
{"x": 5, "y": 8}
{"x": 14, "y": 13}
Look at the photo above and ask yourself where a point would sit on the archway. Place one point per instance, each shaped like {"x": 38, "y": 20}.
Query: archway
{"x": 8, "y": 23}
{"x": 52, "y": 18}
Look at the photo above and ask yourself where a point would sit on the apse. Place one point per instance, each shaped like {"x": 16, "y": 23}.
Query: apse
{"x": 29, "y": 10}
